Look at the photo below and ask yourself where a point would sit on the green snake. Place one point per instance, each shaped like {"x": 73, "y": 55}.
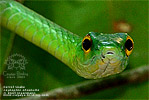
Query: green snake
{"x": 94, "y": 56}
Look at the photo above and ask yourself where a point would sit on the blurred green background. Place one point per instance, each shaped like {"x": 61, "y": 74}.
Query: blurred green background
{"x": 80, "y": 17}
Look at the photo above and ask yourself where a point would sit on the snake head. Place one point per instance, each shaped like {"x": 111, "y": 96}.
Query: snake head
{"x": 100, "y": 55}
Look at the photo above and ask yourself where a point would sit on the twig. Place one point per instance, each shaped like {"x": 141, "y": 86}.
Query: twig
{"x": 87, "y": 87}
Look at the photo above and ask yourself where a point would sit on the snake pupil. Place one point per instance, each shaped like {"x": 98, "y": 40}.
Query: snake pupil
{"x": 129, "y": 44}
{"x": 86, "y": 44}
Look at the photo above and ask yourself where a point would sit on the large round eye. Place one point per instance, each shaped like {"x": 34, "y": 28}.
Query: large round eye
{"x": 129, "y": 45}
{"x": 86, "y": 43}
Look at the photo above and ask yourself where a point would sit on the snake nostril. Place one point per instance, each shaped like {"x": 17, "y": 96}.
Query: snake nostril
{"x": 110, "y": 52}
{"x": 103, "y": 56}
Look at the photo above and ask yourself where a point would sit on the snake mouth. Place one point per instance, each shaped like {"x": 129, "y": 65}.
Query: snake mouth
{"x": 88, "y": 63}
{"x": 99, "y": 66}
{"x": 107, "y": 68}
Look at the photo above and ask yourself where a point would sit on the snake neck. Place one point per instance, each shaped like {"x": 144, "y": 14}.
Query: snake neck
{"x": 39, "y": 30}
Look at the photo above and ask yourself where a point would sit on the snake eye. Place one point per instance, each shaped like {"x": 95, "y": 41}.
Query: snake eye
{"x": 86, "y": 43}
{"x": 129, "y": 45}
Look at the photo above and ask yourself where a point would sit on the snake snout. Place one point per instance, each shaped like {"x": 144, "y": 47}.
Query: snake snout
{"x": 110, "y": 53}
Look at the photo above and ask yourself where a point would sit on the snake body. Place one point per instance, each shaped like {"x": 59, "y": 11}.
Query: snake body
{"x": 94, "y": 56}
